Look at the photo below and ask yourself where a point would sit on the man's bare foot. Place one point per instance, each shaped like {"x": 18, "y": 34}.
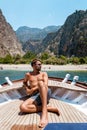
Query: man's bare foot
{"x": 58, "y": 112}
{"x": 43, "y": 123}
{"x": 54, "y": 110}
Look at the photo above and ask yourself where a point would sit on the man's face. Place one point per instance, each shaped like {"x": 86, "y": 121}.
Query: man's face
{"x": 38, "y": 65}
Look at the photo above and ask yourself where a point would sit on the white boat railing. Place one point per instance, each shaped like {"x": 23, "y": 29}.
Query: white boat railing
{"x": 4, "y": 96}
{"x": 68, "y": 93}
{"x": 63, "y": 81}
{"x": 66, "y": 78}
{"x": 8, "y": 81}
{"x": 63, "y": 90}
{"x": 75, "y": 79}
{"x": 14, "y": 92}
{"x": 9, "y": 95}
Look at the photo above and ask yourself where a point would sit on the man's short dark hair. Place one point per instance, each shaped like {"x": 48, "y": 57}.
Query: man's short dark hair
{"x": 34, "y": 61}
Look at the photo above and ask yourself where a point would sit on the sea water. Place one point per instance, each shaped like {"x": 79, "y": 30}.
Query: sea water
{"x": 15, "y": 74}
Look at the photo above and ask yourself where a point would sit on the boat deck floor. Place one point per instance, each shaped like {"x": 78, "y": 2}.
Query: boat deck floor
{"x": 12, "y": 119}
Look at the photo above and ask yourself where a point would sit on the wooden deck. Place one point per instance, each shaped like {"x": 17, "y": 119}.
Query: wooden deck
{"x": 12, "y": 119}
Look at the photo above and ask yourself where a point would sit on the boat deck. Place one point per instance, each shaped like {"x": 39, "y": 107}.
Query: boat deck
{"x": 67, "y": 86}
{"x": 12, "y": 119}
{"x": 51, "y": 83}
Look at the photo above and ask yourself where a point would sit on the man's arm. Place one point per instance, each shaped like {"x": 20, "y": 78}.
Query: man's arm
{"x": 25, "y": 82}
{"x": 29, "y": 90}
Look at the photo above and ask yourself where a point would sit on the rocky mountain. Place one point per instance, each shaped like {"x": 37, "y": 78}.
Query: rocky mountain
{"x": 8, "y": 40}
{"x": 32, "y": 45}
{"x": 25, "y": 33}
{"x": 70, "y": 39}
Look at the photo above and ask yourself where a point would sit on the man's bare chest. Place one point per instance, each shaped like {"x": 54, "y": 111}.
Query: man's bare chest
{"x": 36, "y": 78}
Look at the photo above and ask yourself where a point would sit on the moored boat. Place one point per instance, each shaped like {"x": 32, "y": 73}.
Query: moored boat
{"x": 71, "y": 100}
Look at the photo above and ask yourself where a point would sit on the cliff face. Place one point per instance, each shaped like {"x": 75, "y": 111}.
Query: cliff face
{"x": 32, "y": 45}
{"x": 74, "y": 35}
{"x": 8, "y": 41}
{"x": 71, "y": 38}
{"x": 30, "y": 38}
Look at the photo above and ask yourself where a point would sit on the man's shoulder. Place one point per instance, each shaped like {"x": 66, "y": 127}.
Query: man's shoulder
{"x": 28, "y": 73}
{"x": 44, "y": 73}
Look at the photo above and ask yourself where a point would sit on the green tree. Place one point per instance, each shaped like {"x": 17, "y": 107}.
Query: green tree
{"x": 29, "y": 55}
{"x": 1, "y": 60}
{"x": 44, "y": 56}
{"x": 73, "y": 60}
{"x": 82, "y": 60}
{"x": 8, "y": 59}
{"x": 17, "y": 58}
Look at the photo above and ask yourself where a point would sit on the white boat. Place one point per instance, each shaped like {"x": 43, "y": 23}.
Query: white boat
{"x": 69, "y": 97}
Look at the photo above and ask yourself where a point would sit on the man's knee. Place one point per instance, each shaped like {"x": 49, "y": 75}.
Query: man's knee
{"x": 22, "y": 107}
{"x": 40, "y": 83}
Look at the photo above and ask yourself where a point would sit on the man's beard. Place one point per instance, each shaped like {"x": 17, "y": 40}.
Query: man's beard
{"x": 38, "y": 69}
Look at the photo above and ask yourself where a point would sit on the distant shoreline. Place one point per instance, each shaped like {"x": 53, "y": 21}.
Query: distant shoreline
{"x": 45, "y": 67}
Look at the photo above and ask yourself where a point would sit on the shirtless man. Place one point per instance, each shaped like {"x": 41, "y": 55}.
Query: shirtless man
{"x": 38, "y": 89}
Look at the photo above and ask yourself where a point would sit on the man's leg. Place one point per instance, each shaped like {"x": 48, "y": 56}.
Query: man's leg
{"x": 30, "y": 106}
{"x": 43, "y": 94}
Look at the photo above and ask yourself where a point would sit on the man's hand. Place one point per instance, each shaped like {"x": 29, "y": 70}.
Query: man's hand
{"x": 29, "y": 91}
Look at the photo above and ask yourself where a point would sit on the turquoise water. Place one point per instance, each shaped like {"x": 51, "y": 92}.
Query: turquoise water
{"x": 13, "y": 74}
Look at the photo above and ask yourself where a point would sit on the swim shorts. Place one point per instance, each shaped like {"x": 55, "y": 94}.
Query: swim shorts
{"x": 37, "y": 98}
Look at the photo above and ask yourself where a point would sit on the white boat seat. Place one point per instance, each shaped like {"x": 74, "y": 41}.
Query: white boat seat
{"x": 75, "y": 79}
{"x": 15, "y": 93}
{"x": 63, "y": 81}
{"x": 67, "y": 94}
{"x": 66, "y": 78}
{"x": 8, "y": 81}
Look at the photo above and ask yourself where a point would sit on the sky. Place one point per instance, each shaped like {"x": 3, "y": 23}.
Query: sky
{"x": 39, "y": 13}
